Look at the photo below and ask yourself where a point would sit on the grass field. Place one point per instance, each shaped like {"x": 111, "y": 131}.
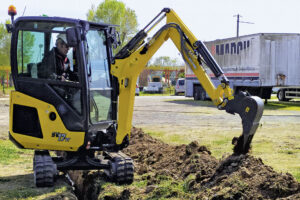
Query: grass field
{"x": 16, "y": 176}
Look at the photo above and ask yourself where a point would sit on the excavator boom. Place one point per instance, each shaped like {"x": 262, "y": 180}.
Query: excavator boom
{"x": 132, "y": 58}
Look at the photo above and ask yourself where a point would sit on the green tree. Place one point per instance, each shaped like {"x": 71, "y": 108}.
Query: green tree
{"x": 165, "y": 61}
{"x": 115, "y": 12}
{"x": 181, "y": 74}
{"x": 5, "y": 39}
{"x": 4, "y": 45}
{"x": 25, "y": 51}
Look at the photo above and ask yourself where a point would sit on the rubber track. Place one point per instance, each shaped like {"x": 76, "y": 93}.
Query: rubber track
{"x": 124, "y": 168}
{"x": 44, "y": 171}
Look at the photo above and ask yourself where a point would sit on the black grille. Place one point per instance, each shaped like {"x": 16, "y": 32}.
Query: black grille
{"x": 26, "y": 121}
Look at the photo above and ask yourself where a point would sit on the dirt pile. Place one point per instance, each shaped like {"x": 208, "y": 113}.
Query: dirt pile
{"x": 204, "y": 177}
{"x": 230, "y": 178}
{"x": 152, "y": 155}
{"x": 244, "y": 177}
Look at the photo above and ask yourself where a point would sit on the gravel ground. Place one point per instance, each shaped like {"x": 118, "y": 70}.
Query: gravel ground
{"x": 180, "y": 120}
{"x": 4, "y": 117}
{"x": 173, "y": 112}
{"x": 177, "y": 113}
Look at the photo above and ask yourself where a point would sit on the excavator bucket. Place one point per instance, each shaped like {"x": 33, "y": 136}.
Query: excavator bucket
{"x": 250, "y": 109}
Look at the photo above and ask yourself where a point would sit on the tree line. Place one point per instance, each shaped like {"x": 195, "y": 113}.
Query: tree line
{"x": 109, "y": 11}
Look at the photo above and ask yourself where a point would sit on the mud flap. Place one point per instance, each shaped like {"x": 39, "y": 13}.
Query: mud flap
{"x": 250, "y": 109}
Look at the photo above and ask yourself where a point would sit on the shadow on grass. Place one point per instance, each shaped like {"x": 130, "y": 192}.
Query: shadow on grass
{"x": 191, "y": 102}
{"x": 279, "y": 105}
{"x": 22, "y": 186}
{"x": 274, "y": 105}
{"x": 19, "y": 186}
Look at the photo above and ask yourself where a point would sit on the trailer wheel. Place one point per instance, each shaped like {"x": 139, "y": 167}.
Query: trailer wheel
{"x": 281, "y": 95}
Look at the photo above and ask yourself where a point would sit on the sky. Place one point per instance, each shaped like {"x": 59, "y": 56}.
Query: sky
{"x": 207, "y": 19}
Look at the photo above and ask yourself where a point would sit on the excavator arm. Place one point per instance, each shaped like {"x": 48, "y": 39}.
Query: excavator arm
{"x": 132, "y": 58}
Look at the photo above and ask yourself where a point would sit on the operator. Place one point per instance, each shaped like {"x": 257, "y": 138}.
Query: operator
{"x": 56, "y": 65}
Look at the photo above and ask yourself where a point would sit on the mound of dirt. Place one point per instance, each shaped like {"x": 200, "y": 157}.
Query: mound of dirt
{"x": 234, "y": 177}
{"x": 243, "y": 177}
{"x": 152, "y": 155}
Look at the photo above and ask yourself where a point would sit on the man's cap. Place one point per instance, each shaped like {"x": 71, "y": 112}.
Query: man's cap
{"x": 62, "y": 37}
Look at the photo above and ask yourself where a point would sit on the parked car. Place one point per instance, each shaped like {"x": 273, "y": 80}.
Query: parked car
{"x": 154, "y": 87}
{"x": 180, "y": 86}
{"x": 137, "y": 90}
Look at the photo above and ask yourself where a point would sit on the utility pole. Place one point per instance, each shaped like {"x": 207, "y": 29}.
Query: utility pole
{"x": 238, "y": 24}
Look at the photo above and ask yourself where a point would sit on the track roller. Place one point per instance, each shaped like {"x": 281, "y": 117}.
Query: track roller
{"x": 44, "y": 169}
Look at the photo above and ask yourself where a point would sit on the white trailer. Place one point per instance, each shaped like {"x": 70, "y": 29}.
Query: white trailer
{"x": 255, "y": 63}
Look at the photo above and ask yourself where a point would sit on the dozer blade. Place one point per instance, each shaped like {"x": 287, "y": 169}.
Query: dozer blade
{"x": 250, "y": 109}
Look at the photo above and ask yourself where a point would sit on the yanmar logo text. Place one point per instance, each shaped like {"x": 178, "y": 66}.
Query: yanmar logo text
{"x": 61, "y": 136}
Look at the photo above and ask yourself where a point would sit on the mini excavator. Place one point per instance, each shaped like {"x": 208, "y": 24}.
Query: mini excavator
{"x": 88, "y": 120}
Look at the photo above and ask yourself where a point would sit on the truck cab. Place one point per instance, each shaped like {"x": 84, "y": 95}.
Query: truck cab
{"x": 155, "y": 85}
{"x": 180, "y": 86}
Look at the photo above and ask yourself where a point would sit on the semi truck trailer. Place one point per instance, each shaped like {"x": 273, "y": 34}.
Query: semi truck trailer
{"x": 256, "y": 63}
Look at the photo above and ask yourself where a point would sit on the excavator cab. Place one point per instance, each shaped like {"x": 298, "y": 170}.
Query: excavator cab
{"x": 83, "y": 101}
{"x": 76, "y": 114}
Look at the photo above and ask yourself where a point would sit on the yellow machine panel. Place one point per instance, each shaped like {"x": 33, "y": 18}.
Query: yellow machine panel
{"x": 54, "y": 136}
